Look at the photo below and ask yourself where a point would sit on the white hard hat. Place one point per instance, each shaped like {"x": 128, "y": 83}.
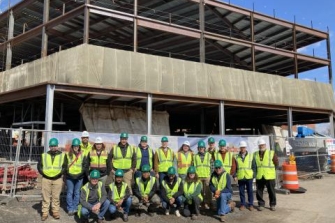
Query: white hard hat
{"x": 243, "y": 144}
{"x": 98, "y": 140}
{"x": 187, "y": 143}
{"x": 261, "y": 142}
{"x": 85, "y": 134}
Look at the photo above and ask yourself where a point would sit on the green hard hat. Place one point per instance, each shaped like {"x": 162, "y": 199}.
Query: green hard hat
{"x": 191, "y": 169}
{"x": 144, "y": 139}
{"x": 222, "y": 142}
{"x": 171, "y": 171}
{"x": 124, "y": 135}
{"x": 145, "y": 168}
{"x": 201, "y": 144}
{"x": 53, "y": 142}
{"x": 211, "y": 140}
{"x": 164, "y": 139}
{"x": 119, "y": 173}
{"x": 95, "y": 174}
{"x": 76, "y": 142}
{"x": 217, "y": 163}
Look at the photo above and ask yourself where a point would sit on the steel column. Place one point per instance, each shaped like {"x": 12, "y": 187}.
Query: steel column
{"x": 203, "y": 121}
{"x": 135, "y": 25}
{"x": 86, "y": 22}
{"x": 296, "y": 71}
{"x": 10, "y": 36}
{"x": 202, "y": 30}
{"x": 289, "y": 122}
{"x": 48, "y": 113}
{"x": 149, "y": 114}
{"x": 331, "y": 125}
{"x": 330, "y": 69}
{"x": 221, "y": 118}
{"x": 252, "y": 33}
{"x": 46, "y": 9}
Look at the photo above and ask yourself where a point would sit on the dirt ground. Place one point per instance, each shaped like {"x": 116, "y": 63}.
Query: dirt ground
{"x": 316, "y": 205}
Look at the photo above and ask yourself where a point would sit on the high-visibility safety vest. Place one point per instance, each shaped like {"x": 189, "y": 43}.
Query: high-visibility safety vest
{"x": 86, "y": 149}
{"x": 115, "y": 194}
{"x": 203, "y": 168}
{"x": 184, "y": 163}
{"x": 98, "y": 161}
{"x": 75, "y": 166}
{"x": 87, "y": 191}
{"x": 189, "y": 189}
{"x": 171, "y": 192}
{"x": 165, "y": 161}
{"x": 145, "y": 191}
{"x": 120, "y": 162}
{"x": 265, "y": 167}
{"x": 244, "y": 170}
{"x": 139, "y": 157}
{"x": 227, "y": 162}
{"x": 221, "y": 184}
{"x": 52, "y": 169}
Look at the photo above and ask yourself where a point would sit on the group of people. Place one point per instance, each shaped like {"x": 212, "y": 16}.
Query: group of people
{"x": 100, "y": 180}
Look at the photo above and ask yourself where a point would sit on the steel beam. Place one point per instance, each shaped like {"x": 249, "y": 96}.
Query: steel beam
{"x": 149, "y": 114}
{"x": 221, "y": 118}
{"x": 46, "y": 10}
{"x": 289, "y": 122}
{"x": 50, "y": 92}
{"x": 9, "y": 55}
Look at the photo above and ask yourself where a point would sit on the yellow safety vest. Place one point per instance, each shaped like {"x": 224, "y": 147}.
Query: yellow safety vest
{"x": 115, "y": 194}
{"x": 203, "y": 168}
{"x": 265, "y": 167}
{"x": 120, "y": 162}
{"x": 227, "y": 162}
{"x": 85, "y": 188}
{"x": 145, "y": 191}
{"x": 190, "y": 189}
{"x": 139, "y": 157}
{"x": 86, "y": 150}
{"x": 184, "y": 163}
{"x": 221, "y": 184}
{"x": 52, "y": 169}
{"x": 165, "y": 161}
{"x": 77, "y": 166}
{"x": 98, "y": 162}
{"x": 244, "y": 170}
{"x": 171, "y": 192}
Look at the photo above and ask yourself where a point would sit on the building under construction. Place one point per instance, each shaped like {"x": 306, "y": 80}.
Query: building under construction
{"x": 157, "y": 67}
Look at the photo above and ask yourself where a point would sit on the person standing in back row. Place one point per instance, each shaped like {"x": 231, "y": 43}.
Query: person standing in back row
{"x": 85, "y": 146}
{"x": 226, "y": 157}
{"x": 164, "y": 158}
{"x": 144, "y": 156}
{"x": 184, "y": 159}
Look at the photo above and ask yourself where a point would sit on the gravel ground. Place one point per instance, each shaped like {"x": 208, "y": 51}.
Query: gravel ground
{"x": 316, "y": 205}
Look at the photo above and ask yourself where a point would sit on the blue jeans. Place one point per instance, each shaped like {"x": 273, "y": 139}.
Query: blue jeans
{"x": 125, "y": 205}
{"x": 222, "y": 203}
{"x": 242, "y": 184}
{"x": 85, "y": 213}
{"x": 73, "y": 193}
{"x": 139, "y": 174}
{"x": 178, "y": 202}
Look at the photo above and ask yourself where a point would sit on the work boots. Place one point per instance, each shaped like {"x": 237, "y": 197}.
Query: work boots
{"x": 56, "y": 215}
{"x": 44, "y": 216}
{"x": 232, "y": 205}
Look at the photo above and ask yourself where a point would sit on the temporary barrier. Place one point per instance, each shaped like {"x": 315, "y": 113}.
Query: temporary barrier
{"x": 290, "y": 176}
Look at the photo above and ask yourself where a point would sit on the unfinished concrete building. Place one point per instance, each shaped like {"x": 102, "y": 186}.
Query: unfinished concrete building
{"x": 157, "y": 67}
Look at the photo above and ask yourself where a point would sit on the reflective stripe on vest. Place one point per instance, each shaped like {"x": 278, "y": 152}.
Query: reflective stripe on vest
{"x": 87, "y": 191}
{"x": 227, "y": 162}
{"x": 115, "y": 193}
{"x": 221, "y": 184}
{"x": 203, "y": 169}
{"x": 86, "y": 149}
{"x": 52, "y": 169}
{"x": 265, "y": 167}
{"x": 164, "y": 161}
{"x": 120, "y": 162}
{"x": 244, "y": 170}
{"x": 171, "y": 192}
{"x": 190, "y": 189}
{"x": 139, "y": 157}
{"x": 98, "y": 161}
{"x": 183, "y": 163}
{"x": 145, "y": 191}
{"x": 76, "y": 167}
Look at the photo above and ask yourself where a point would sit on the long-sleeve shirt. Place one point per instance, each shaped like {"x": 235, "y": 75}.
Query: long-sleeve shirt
{"x": 197, "y": 190}
{"x": 227, "y": 189}
{"x": 53, "y": 155}
{"x": 103, "y": 170}
{"x": 233, "y": 162}
{"x": 93, "y": 196}
{"x": 261, "y": 155}
{"x": 124, "y": 153}
{"x": 118, "y": 187}
{"x": 156, "y": 159}
{"x": 146, "y": 156}
{"x": 171, "y": 185}
{"x": 136, "y": 189}
{"x": 253, "y": 164}
{"x": 84, "y": 167}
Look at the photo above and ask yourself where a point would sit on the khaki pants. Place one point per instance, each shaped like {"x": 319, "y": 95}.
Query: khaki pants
{"x": 127, "y": 178}
{"x": 51, "y": 189}
{"x": 206, "y": 192}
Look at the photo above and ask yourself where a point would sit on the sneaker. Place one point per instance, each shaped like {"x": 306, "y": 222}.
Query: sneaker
{"x": 273, "y": 208}
{"x": 167, "y": 211}
{"x": 242, "y": 208}
{"x": 206, "y": 207}
{"x": 44, "y": 216}
{"x": 260, "y": 208}
{"x": 70, "y": 213}
{"x": 194, "y": 217}
{"x": 222, "y": 218}
{"x": 251, "y": 208}
{"x": 177, "y": 213}
{"x": 125, "y": 217}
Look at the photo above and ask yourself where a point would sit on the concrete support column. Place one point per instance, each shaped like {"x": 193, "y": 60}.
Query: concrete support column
{"x": 10, "y": 36}
{"x": 50, "y": 92}
{"x": 221, "y": 118}
{"x": 331, "y": 125}
{"x": 202, "y": 30}
{"x": 86, "y": 23}
{"x": 135, "y": 24}
{"x": 46, "y": 9}
{"x": 289, "y": 122}
{"x": 149, "y": 114}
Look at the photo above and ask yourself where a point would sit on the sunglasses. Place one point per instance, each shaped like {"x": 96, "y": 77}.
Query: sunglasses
{"x": 84, "y": 137}
{"x": 218, "y": 168}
